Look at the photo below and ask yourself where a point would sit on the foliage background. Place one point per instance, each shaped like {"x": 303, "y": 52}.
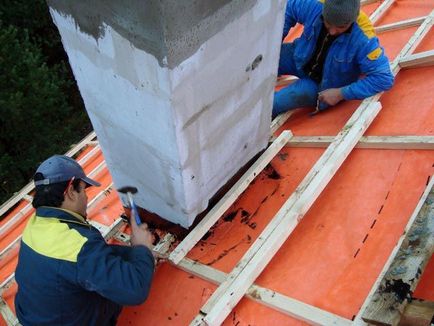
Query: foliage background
{"x": 41, "y": 111}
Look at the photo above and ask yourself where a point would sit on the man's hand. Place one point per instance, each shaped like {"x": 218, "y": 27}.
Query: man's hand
{"x": 331, "y": 96}
{"x": 140, "y": 235}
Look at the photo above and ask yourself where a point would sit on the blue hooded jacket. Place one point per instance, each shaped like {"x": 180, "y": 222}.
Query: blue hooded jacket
{"x": 355, "y": 61}
{"x": 68, "y": 275}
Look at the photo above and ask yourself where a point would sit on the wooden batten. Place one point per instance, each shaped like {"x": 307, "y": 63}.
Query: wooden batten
{"x": 405, "y": 265}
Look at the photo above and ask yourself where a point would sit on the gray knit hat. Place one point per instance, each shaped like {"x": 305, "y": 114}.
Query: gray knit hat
{"x": 341, "y": 12}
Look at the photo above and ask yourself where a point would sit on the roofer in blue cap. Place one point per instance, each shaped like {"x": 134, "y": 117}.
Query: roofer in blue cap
{"x": 338, "y": 56}
{"x": 67, "y": 274}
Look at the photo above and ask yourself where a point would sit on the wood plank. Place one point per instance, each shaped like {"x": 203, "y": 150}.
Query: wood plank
{"x": 30, "y": 186}
{"x": 418, "y": 313}
{"x": 122, "y": 237}
{"x": 367, "y": 2}
{"x": 12, "y": 246}
{"x": 7, "y": 282}
{"x": 267, "y": 297}
{"x": 7, "y": 314}
{"x": 400, "y": 25}
{"x": 414, "y": 41}
{"x": 93, "y": 143}
{"x": 161, "y": 249}
{"x": 279, "y": 121}
{"x": 15, "y": 219}
{"x": 228, "y": 199}
{"x": 113, "y": 229}
{"x": 405, "y": 265}
{"x": 422, "y": 59}
{"x": 381, "y": 10}
{"x": 368, "y": 142}
{"x": 100, "y": 196}
{"x": 277, "y": 231}
{"x": 28, "y": 198}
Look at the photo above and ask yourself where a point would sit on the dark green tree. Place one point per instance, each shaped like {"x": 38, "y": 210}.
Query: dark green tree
{"x": 41, "y": 112}
{"x": 34, "y": 18}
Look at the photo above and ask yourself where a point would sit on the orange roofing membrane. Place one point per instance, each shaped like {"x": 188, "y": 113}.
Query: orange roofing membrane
{"x": 335, "y": 254}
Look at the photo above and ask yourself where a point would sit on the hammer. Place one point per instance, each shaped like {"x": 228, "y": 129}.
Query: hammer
{"x": 129, "y": 191}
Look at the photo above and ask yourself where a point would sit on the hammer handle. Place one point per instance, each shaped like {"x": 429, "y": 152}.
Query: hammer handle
{"x": 134, "y": 211}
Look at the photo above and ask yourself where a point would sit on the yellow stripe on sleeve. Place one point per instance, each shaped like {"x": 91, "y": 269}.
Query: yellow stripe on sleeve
{"x": 374, "y": 55}
{"x": 365, "y": 25}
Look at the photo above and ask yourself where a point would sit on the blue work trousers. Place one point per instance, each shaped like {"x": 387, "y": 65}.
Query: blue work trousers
{"x": 301, "y": 93}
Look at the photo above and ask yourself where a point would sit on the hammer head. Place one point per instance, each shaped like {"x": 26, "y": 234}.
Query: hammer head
{"x": 127, "y": 189}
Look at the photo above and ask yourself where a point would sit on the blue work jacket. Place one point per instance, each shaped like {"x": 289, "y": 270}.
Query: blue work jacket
{"x": 355, "y": 61}
{"x": 68, "y": 275}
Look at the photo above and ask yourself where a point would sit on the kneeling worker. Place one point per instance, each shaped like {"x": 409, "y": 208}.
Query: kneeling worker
{"x": 67, "y": 274}
{"x": 338, "y": 56}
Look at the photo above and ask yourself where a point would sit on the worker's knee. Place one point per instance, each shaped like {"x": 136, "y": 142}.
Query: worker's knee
{"x": 300, "y": 94}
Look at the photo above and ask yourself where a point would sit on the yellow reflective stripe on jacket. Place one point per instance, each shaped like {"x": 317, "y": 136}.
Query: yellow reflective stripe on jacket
{"x": 52, "y": 238}
{"x": 374, "y": 55}
{"x": 365, "y": 25}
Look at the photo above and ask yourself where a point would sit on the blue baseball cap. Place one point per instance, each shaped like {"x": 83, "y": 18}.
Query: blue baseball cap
{"x": 61, "y": 168}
